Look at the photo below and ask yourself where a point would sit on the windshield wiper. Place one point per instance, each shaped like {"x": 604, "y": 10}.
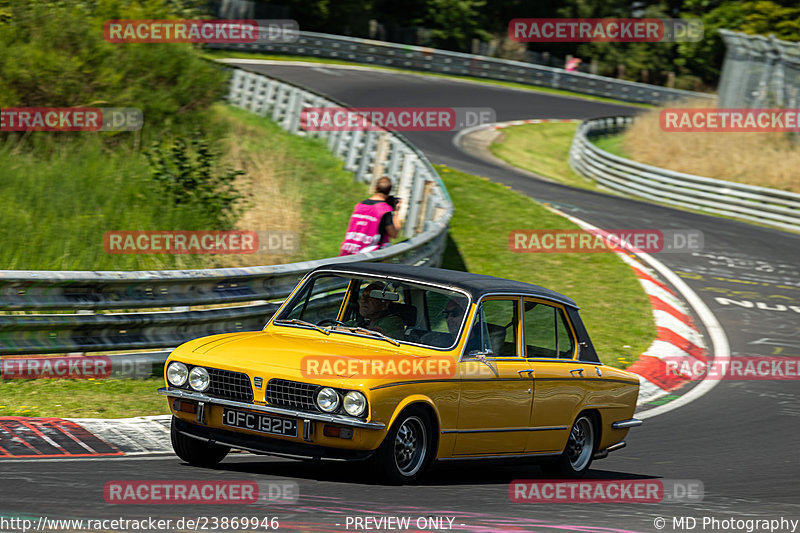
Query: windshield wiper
{"x": 302, "y": 323}
{"x": 359, "y": 329}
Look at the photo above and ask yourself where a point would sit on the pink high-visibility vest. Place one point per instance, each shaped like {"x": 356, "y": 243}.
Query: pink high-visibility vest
{"x": 363, "y": 231}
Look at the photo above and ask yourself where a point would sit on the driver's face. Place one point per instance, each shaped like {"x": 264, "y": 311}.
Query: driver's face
{"x": 371, "y": 308}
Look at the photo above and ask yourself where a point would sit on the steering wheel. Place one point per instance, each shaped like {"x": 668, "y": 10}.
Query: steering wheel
{"x": 331, "y": 321}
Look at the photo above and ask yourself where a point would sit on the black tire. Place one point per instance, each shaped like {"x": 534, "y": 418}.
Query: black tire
{"x": 196, "y": 452}
{"x": 407, "y": 450}
{"x": 579, "y": 451}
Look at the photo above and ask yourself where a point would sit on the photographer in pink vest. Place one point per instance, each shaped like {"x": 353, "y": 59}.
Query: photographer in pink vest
{"x": 373, "y": 222}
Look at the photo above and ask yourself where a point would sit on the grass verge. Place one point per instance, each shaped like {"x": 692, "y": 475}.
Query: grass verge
{"x": 67, "y": 194}
{"x": 542, "y": 149}
{"x": 222, "y": 54}
{"x": 73, "y": 398}
{"x": 612, "y": 144}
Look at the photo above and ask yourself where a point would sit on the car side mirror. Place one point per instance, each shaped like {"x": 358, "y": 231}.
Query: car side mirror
{"x": 384, "y": 296}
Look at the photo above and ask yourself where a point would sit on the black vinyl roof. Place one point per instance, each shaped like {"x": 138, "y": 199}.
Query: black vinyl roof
{"x": 475, "y": 284}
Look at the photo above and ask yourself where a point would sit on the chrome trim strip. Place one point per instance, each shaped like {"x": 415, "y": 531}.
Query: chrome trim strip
{"x": 617, "y": 446}
{"x": 602, "y": 454}
{"x": 335, "y": 419}
{"x": 630, "y": 423}
{"x": 510, "y": 456}
{"x": 505, "y": 430}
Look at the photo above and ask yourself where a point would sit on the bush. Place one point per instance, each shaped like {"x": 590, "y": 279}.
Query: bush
{"x": 55, "y": 54}
{"x": 188, "y": 173}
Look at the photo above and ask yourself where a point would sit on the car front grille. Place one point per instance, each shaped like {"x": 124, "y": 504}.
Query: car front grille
{"x": 229, "y": 385}
{"x": 292, "y": 394}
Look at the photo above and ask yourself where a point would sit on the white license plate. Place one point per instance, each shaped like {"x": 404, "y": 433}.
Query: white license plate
{"x": 259, "y": 422}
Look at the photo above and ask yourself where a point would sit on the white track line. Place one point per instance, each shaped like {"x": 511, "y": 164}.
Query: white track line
{"x": 719, "y": 342}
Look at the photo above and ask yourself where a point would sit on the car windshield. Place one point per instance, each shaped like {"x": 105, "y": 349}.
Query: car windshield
{"x": 390, "y": 309}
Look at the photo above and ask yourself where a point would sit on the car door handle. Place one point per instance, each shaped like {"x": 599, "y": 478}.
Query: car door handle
{"x": 579, "y": 370}
{"x": 529, "y": 371}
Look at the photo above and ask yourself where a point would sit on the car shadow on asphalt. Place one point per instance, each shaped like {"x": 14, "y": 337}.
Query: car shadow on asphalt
{"x": 451, "y": 473}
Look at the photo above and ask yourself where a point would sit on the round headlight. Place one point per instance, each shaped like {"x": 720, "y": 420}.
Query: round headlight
{"x": 177, "y": 373}
{"x": 198, "y": 379}
{"x": 355, "y": 403}
{"x": 328, "y": 399}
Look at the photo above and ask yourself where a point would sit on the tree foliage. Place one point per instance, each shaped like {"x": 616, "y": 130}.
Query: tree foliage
{"x": 452, "y": 25}
{"x": 53, "y": 53}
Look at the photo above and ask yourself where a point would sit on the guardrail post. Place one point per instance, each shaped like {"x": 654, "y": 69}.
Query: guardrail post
{"x": 417, "y": 190}
{"x": 381, "y": 155}
{"x": 291, "y": 122}
{"x": 368, "y": 155}
{"x": 405, "y": 190}
{"x": 354, "y": 150}
{"x": 278, "y": 108}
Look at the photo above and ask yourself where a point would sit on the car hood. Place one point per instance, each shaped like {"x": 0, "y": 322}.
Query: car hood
{"x": 267, "y": 350}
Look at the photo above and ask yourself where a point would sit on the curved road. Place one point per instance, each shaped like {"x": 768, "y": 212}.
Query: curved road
{"x": 739, "y": 439}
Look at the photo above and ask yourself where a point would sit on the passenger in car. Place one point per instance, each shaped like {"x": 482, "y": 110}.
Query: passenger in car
{"x": 453, "y": 313}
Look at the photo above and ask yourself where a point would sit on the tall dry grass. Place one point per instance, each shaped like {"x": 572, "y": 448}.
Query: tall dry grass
{"x": 764, "y": 159}
{"x": 274, "y": 201}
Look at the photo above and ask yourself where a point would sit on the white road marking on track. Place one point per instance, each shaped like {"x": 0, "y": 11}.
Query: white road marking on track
{"x": 327, "y": 71}
{"x": 133, "y": 436}
{"x": 719, "y": 341}
{"x": 667, "y": 321}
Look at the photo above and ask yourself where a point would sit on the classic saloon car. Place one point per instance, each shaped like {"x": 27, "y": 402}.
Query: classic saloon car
{"x": 402, "y": 366}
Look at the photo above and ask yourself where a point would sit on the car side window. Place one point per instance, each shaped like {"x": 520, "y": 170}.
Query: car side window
{"x": 566, "y": 344}
{"x": 495, "y": 328}
{"x": 546, "y": 332}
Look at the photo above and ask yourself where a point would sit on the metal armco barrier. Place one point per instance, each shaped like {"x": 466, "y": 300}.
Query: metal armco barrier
{"x": 749, "y": 202}
{"x": 426, "y": 209}
{"x": 442, "y": 61}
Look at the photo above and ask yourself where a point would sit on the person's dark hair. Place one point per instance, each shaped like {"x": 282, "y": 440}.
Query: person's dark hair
{"x": 384, "y": 186}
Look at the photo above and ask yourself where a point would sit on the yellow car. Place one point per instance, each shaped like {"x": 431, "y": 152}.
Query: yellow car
{"x": 402, "y": 366}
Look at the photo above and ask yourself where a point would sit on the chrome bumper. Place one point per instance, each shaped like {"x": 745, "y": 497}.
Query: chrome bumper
{"x": 630, "y": 423}
{"x": 320, "y": 417}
